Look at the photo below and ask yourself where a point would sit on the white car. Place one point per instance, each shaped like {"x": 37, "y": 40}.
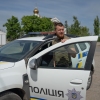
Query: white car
{"x": 27, "y": 69}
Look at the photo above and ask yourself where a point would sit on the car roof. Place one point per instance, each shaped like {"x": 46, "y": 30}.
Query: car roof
{"x": 42, "y": 36}
{"x": 33, "y": 38}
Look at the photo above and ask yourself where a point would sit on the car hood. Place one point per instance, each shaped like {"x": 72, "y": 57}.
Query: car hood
{"x": 5, "y": 65}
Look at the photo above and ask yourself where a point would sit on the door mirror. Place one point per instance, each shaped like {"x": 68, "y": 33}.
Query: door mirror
{"x": 33, "y": 64}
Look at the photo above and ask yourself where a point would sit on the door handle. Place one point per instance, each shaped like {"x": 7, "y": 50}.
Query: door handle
{"x": 76, "y": 81}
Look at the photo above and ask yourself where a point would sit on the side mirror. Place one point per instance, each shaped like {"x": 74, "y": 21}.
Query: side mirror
{"x": 33, "y": 64}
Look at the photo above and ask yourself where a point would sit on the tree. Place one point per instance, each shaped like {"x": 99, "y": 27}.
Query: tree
{"x": 96, "y": 25}
{"x": 77, "y": 29}
{"x": 84, "y": 31}
{"x": 36, "y": 24}
{"x": 13, "y": 28}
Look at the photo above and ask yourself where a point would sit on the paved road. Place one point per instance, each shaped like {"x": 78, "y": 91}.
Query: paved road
{"x": 94, "y": 92}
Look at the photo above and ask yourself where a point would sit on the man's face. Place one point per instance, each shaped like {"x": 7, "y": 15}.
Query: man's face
{"x": 60, "y": 31}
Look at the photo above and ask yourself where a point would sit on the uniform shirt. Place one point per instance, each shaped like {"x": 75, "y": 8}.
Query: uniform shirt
{"x": 56, "y": 40}
{"x": 61, "y": 55}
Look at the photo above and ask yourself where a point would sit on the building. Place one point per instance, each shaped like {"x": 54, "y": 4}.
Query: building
{"x": 54, "y": 20}
{"x": 2, "y": 38}
{"x": 36, "y": 13}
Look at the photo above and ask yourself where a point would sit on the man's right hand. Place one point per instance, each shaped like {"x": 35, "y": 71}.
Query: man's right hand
{"x": 63, "y": 40}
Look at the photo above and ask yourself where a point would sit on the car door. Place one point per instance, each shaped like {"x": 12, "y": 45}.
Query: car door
{"x": 61, "y": 80}
{"x": 76, "y": 61}
{"x": 83, "y": 47}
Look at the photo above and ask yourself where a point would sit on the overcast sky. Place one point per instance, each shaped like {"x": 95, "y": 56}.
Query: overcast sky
{"x": 84, "y": 10}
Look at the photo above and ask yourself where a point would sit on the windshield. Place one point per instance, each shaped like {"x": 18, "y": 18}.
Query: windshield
{"x": 16, "y": 50}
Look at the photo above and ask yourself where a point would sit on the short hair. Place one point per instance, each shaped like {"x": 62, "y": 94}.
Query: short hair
{"x": 58, "y": 24}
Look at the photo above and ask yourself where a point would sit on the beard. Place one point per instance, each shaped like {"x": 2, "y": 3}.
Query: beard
{"x": 60, "y": 36}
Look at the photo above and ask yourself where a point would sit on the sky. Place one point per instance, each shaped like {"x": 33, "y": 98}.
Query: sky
{"x": 85, "y": 10}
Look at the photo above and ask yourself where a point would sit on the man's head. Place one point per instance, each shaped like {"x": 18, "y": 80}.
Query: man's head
{"x": 59, "y": 29}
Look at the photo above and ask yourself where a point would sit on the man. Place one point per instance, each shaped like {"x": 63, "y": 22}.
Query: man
{"x": 59, "y": 31}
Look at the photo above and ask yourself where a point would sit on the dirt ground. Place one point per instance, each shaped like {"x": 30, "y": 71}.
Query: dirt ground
{"x": 94, "y": 92}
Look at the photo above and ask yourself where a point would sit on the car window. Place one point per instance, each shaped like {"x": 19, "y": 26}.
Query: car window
{"x": 16, "y": 50}
{"x": 64, "y": 57}
{"x": 82, "y": 46}
{"x": 46, "y": 45}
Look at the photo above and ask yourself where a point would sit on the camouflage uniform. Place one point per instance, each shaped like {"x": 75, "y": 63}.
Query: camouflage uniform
{"x": 61, "y": 55}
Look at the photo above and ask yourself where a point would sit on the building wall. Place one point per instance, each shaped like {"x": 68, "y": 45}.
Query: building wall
{"x": 2, "y": 38}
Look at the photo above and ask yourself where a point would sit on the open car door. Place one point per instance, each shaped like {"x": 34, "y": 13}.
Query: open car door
{"x": 56, "y": 72}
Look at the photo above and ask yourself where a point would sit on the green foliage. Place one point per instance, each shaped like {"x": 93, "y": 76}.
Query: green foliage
{"x": 96, "y": 25}
{"x": 75, "y": 27}
{"x": 36, "y": 24}
{"x": 84, "y": 31}
{"x": 13, "y": 28}
{"x": 78, "y": 30}
{"x": 98, "y": 39}
{"x": 66, "y": 26}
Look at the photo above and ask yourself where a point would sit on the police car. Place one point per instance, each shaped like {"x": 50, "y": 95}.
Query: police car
{"x": 27, "y": 69}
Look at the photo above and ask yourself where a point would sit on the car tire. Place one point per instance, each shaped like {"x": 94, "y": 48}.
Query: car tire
{"x": 89, "y": 81}
{"x": 9, "y": 96}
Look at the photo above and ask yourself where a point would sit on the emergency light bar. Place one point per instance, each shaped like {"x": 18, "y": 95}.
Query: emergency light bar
{"x": 34, "y": 34}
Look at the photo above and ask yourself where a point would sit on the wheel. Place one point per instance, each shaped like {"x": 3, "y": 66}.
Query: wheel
{"x": 9, "y": 96}
{"x": 89, "y": 81}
